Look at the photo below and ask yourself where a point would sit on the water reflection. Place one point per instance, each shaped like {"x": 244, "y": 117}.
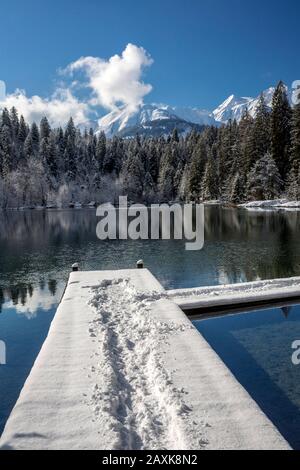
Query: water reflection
{"x": 258, "y": 244}
{"x": 26, "y": 313}
{"x": 37, "y": 249}
{"x": 27, "y": 299}
{"x": 239, "y": 246}
{"x": 256, "y": 347}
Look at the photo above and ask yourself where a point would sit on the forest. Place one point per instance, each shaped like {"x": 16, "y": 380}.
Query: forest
{"x": 255, "y": 159}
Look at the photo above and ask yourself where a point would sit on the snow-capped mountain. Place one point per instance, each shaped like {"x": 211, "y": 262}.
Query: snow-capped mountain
{"x": 188, "y": 114}
{"x": 160, "y": 119}
{"x": 152, "y": 119}
{"x": 234, "y": 107}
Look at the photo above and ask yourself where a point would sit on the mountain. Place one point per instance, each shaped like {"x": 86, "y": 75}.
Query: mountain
{"x": 160, "y": 119}
{"x": 234, "y": 107}
{"x": 152, "y": 119}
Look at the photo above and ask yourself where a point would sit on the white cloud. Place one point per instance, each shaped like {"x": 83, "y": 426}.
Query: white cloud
{"x": 58, "y": 108}
{"x": 113, "y": 82}
{"x": 116, "y": 81}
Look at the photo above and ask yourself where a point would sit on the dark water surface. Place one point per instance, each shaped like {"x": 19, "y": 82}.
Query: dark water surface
{"x": 37, "y": 249}
{"x": 257, "y": 348}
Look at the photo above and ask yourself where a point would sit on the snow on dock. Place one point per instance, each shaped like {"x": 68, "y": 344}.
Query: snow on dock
{"x": 123, "y": 368}
{"x": 233, "y": 294}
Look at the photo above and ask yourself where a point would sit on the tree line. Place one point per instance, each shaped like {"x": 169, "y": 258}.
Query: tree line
{"x": 255, "y": 159}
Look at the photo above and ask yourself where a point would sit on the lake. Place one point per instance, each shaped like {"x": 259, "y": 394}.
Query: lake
{"x": 37, "y": 249}
{"x": 257, "y": 347}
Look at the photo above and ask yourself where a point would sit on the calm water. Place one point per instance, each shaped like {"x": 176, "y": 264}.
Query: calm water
{"x": 257, "y": 348}
{"x": 37, "y": 249}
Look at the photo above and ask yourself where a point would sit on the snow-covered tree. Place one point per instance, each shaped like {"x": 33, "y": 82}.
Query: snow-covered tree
{"x": 264, "y": 180}
{"x": 295, "y": 138}
{"x": 280, "y": 128}
{"x": 209, "y": 185}
{"x": 196, "y": 170}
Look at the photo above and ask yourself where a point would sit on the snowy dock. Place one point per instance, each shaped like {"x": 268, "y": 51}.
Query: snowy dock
{"x": 233, "y": 295}
{"x": 124, "y": 368}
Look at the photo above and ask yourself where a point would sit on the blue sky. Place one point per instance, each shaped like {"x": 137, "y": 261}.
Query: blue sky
{"x": 202, "y": 50}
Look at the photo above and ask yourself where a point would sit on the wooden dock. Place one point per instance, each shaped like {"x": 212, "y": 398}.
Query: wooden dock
{"x": 168, "y": 388}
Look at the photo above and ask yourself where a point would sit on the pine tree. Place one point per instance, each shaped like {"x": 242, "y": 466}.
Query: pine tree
{"x": 52, "y": 156}
{"x": 28, "y": 147}
{"x": 226, "y": 140}
{"x": 70, "y": 159}
{"x": 70, "y": 130}
{"x": 60, "y": 150}
{"x": 152, "y": 160}
{"x": 14, "y": 118}
{"x": 48, "y": 155}
{"x": 148, "y": 188}
{"x": 5, "y": 150}
{"x": 295, "y": 138}
{"x": 112, "y": 161}
{"x": 260, "y": 136}
{"x": 91, "y": 151}
{"x": 264, "y": 180}
{"x": 45, "y": 129}
{"x": 6, "y": 121}
{"x": 235, "y": 186}
{"x": 70, "y": 151}
{"x": 242, "y": 143}
{"x": 133, "y": 175}
{"x": 209, "y": 185}
{"x": 43, "y": 152}
{"x": 197, "y": 167}
{"x": 100, "y": 150}
{"x": 280, "y": 129}
{"x": 166, "y": 177}
{"x": 20, "y": 139}
{"x": 226, "y": 162}
{"x": 22, "y": 132}
{"x": 293, "y": 184}
{"x": 175, "y": 136}
{"x": 34, "y": 136}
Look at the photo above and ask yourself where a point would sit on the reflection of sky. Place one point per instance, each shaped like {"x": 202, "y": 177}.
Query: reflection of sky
{"x": 23, "y": 338}
{"x": 257, "y": 348}
{"x": 40, "y": 299}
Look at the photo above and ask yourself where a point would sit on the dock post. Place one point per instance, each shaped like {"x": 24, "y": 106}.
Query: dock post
{"x": 140, "y": 264}
{"x": 75, "y": 267}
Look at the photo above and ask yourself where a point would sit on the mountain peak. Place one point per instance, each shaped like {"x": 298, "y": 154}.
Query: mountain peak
{"x": 161, "y": 119}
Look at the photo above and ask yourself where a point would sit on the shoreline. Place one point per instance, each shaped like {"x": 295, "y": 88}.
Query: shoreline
{"x": 259, "y": 206}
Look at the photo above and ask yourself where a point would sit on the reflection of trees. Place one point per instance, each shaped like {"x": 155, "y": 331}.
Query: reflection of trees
{"x": 20, "y": 293}
{"x": 2, "y": 300}
{"x": 255, "y": 245}
{"x": 239, "y": 245}
{"x": 42, "y": 227}
{"x": 31, "y": 242}
{"x": 52, "y": 286}
{"x": 30, "y": 290}
{"x": 238, "y": 224}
